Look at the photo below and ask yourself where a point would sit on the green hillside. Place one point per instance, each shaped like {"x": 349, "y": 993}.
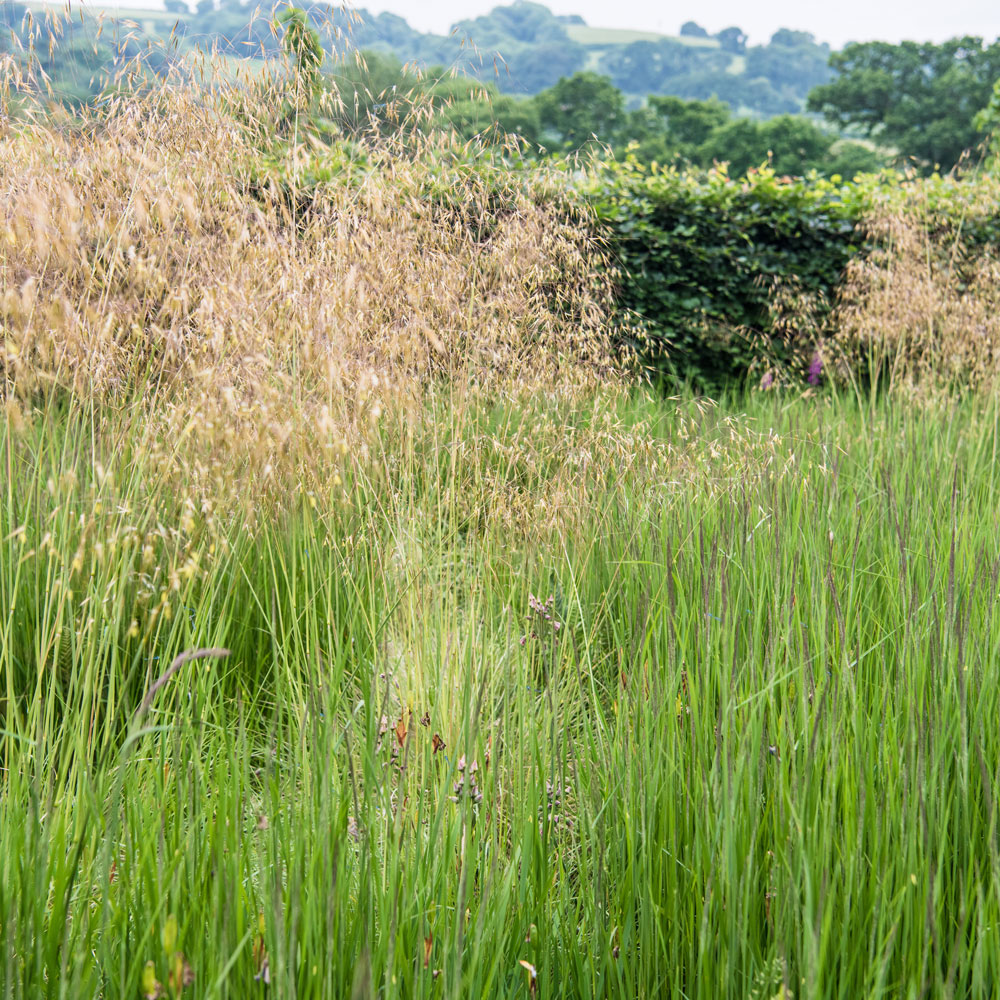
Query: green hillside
{"x": 586, "y": 35}
{"x": 523, "y": 47}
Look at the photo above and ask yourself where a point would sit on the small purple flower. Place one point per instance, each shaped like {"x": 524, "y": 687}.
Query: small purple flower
{"x": 815, "y": 367}
{"x": 767, "y": 381}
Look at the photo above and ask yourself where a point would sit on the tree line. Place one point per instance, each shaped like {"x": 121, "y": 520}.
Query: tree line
{"x": 872, "y": 114}
{"x": 871, "y": 104}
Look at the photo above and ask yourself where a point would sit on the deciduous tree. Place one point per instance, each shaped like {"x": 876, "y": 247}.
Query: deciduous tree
{"x": 920, "y": 98}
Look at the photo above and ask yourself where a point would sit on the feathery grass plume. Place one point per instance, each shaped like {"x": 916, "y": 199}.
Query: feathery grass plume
{"x": 260, "y": 322}
{"x": 920, "y": 313}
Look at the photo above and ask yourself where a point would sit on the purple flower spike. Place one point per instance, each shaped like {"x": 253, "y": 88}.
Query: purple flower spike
{"x": 815, "y": 367}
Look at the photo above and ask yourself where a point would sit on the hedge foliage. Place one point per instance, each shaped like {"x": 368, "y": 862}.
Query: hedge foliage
{"x": 704, "y": 256}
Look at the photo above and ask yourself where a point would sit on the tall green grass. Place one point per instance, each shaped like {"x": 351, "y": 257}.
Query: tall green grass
{"x": 756, "y": 758}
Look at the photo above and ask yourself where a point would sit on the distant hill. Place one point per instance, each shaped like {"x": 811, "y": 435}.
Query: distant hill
{"x": 524, "y": 48}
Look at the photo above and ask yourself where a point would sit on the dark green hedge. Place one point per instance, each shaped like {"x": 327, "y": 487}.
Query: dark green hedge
{"x": 700, "y": 256}
{"x": 702, "y": 253}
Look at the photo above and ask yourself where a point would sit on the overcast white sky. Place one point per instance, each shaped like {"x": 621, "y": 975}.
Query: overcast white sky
{"x": 836, "y": 22}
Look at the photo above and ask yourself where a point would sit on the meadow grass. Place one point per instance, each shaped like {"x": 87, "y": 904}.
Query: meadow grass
{"x": 367, "y": 630}
{"x": 742, "y": 739}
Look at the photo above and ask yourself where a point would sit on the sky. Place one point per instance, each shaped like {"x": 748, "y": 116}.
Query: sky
{"x": 834, "y": 22}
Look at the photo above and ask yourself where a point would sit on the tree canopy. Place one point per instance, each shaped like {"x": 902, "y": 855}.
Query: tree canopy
{"x": 695, "y": 133}
{"x": 920, "y": 98}
{"x": 579, "y": 108}
{"x": 988, "y": 120}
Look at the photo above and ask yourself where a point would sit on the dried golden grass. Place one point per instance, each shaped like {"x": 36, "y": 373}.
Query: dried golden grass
{"x": 260, "y": 339}
{"x": 920, "y": 315}
{"x": 143, "y": 262}
{"x": 136, "y": 250}
{"x": 917, "y": 314}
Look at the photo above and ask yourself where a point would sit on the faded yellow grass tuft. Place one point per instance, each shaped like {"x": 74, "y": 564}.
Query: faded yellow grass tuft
{"x": 920, "y": 315}
{"x": 261, "y": 331}
{"x": 261, "y": 339}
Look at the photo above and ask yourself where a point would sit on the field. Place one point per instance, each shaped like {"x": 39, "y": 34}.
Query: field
{"x": 750, "y": 739}
{"x": 368, "y": 629}
{"x": 598, "y": 40}
{"x": 594, "y": 36}
{"x": 151, "y": 18}
{"x": 586, "y": 35}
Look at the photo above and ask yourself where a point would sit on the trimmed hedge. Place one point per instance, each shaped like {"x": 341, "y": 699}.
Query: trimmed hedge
{"x": 702, "y": 253}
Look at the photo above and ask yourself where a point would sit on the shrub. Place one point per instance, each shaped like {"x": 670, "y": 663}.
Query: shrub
{"x": 723, "y": 271}
{"x": 701, "y": 254}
